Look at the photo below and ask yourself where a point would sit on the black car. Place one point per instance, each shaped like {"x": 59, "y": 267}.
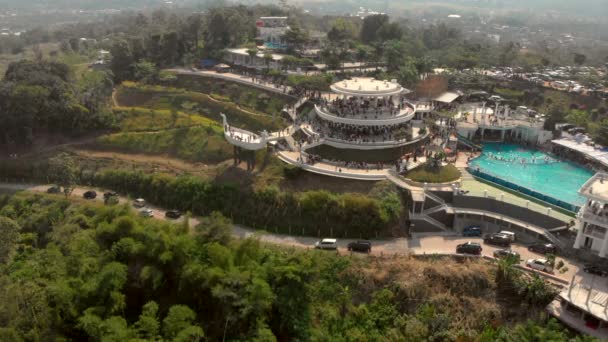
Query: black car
{"x": 596, "y": 270}
{"x": 498, "y": 239}
{"x": 469, "y": 248}
{"x": 360, "y": 246}
{"x": 89, "y": 194}
{"x": 471, "y": 231}
{"x": 53, "y": 190}
{"x": 506, "y": 253}
{"x": 543, "y": 248}
{"x": 173, "y": 214}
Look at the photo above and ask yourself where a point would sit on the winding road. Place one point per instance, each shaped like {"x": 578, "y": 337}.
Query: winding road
{"x": 428, "y": 243}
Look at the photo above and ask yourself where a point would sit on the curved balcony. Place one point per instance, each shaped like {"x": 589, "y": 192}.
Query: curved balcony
{"x": 245, "y": 139}
{"x": 403, "y": 116}
{"x": 371, "y": 145}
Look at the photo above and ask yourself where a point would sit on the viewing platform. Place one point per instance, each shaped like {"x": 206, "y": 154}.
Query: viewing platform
{"x": 368, "y": 118}
{"x": 369, "y": 142}
{"x": 368, "y": 87}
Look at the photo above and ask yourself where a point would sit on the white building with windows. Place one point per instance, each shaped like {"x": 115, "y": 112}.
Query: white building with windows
{"x": 592, "y": 219}
{"x": 271, "y": 31}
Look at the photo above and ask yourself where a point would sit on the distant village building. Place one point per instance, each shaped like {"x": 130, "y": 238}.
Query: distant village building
{"x": 271, "y": 31}
{"x": 241, "y": 57}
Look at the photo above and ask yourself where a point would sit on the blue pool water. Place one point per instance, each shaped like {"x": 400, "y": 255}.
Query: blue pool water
{"x": 533, "y": 170}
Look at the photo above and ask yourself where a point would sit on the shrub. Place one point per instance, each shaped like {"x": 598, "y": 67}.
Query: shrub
{"x": 442, "y": 174}
{"x": 292, "y": 172}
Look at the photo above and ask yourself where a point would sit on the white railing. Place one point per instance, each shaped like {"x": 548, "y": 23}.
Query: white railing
{"x": 396, "y": 120}
{"x": 589, "y": 215}
{"x": 370, "y": 145}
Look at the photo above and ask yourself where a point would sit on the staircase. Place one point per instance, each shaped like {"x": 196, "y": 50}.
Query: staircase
{"x": 465, "y": 141}
{"x": 424, "y": 217}
{"x": 291, "y": 143}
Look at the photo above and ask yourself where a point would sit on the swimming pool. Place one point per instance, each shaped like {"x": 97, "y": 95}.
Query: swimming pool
{"x": 532, "y": 172}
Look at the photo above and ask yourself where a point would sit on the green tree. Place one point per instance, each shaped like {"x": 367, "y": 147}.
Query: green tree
{"x": 9, "y": 235}
{"x": 63, "y": 171}
{"x": 370, "y": 27}
{"x": 579, "y": 58}
{"x": 252, "y": 53}
{"x": 601, "y": 136}
{"x": 179, "y": 319}
{"x": 146, "y": 72}
{"x": 267, "y": 59}
{"x": 296, "y": 37}
{"x": 215, "y": 228}
{"x": 578, "y": 117}
{"x": 122, "y": 60}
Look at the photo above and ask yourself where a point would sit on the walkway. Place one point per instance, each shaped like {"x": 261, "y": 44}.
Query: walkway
{"x": 228, "y": 76}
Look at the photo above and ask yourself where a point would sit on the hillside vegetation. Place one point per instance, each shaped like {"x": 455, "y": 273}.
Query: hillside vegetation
{"x": 84, "y": 272}
{"x": 173, "y": 99}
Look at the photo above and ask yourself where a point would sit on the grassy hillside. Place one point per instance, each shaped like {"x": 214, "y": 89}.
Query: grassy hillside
{"x": 173, "y": 99}
{"x": 196, "y": 144}
{"x": 164, "y": 132}
{"x": 251, "y": 98}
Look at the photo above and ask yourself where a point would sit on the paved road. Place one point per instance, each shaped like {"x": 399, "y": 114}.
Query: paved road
{"x": 418, "y": 244}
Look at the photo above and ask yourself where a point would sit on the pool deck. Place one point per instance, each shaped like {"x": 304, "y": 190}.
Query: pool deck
{"x": 476, "y": 187}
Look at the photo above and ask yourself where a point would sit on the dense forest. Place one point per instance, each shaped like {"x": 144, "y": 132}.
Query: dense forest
{"x": 42, "y": 97}
{"x": 74, "y": 271}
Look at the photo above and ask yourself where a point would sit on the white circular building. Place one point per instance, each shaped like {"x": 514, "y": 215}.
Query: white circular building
{"x": 365, "y": 113}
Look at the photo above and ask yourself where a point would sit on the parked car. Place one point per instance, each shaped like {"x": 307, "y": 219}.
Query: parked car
{"x": 509, "y": 234}
{"x": 139, "y": 203}
{"x": 471, "y": 231}
{"x": 360, "y": 246}
{"x": 53, "y": 190}
{"x": 109, "y": 194}
{"x": 146, "y": 212}
{"x": 540, "y": 265}
{"x": 89, "y": 195}
{"x": 506, "y": 253}
{"x": 596, "y": 270}
{"x": 543, "y": 248}
{"x": 469, "y": 248}
{"x": 327, "y": 244}
{"x": 173, "y": 214}
{"x": 497, "y": 239}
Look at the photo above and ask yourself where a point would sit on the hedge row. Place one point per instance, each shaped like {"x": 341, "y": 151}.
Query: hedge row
{"x": 307, "y": 213}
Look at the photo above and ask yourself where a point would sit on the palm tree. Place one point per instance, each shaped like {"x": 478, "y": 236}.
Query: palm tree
{"x": 267, "y": 60}
{"x": 252, "y": 53}
{"x": 507, "y": 273}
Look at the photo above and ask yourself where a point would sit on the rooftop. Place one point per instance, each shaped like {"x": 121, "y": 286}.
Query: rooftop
{"x": 260, "y": 53}
{"x": 579, "y": 145}
{"x": 447, "y": 97}
{"x": 367, "y": 86}
{"x": 596, "y": 188}
{"x": 589, "y": 298}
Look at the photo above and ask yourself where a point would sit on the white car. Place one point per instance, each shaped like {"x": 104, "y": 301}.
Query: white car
{"x": 146, "y": 212}
{"x": 139, "y": 203}
{"x": 327, "y": 244}
{"x": 540, "y": 265}
{"x": 508, "y": 234}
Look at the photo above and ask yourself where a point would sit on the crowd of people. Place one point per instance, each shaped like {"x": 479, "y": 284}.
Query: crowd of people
{"x": 366, "y": 108}
{"x": 363, "y": 134}
{"x": 516, "y": 159}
